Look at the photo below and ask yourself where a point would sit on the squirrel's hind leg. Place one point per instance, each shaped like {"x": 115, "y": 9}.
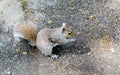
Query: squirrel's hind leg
{"x": 48, "y": 52}
{"x": 54, "y": 56}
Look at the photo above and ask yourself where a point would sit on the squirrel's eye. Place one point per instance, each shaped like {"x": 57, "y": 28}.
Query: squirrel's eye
{"x": 69, "y": 33}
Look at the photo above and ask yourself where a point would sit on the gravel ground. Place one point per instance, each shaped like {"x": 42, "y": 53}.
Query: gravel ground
{"x": 95, "y": 22}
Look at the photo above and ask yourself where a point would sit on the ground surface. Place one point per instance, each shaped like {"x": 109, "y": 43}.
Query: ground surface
{"x": 97, "y": 27}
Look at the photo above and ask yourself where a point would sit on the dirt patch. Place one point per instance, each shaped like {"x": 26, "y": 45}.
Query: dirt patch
{"x": 95, "y": 22}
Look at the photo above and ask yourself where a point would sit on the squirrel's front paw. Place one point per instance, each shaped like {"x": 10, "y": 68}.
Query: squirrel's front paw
{"x": 72, "y": 40}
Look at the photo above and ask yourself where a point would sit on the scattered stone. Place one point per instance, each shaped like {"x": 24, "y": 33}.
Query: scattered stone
{"x": 24, "y": 53}
{"x": 112, "y": 50}
{"x": 78, "y": 33}
{"x": 50, "y": 22}
{"x": 8, "y": 72}
{"x": 90, "y": 18}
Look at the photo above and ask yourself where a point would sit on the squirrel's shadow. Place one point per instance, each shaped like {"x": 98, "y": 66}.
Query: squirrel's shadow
{"x": 59, "y": 49}
{"x": 25, "y": 46}
{"x": 70, "y": 49}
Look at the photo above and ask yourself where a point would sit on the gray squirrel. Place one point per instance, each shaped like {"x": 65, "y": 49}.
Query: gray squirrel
{"x": 46, "y": 38}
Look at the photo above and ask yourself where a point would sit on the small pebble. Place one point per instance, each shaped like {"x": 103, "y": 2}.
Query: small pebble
{"x": 112, "y": 50}
{"x": 24, "y": 53}
{"x": 95, "y": 74}
{"x": 88, "y": 53}
{"x": 90, "y": 18}
{"x": 50, "y": 21}
{"x": 78, "y": 33}
{"x": 8, "y": 72}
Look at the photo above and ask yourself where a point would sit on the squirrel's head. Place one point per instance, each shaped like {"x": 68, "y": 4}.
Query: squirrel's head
{"x": 67, "y": 31}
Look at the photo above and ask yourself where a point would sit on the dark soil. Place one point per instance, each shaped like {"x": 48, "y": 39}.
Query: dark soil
{"x": 96, "y": 51}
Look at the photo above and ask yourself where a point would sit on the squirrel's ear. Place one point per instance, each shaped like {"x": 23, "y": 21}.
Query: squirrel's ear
{"x": 63, "y": 24}
{"x": 63, "y": 27}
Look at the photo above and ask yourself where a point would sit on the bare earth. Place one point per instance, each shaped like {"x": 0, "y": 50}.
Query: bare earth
{"x": 95, "y": 22}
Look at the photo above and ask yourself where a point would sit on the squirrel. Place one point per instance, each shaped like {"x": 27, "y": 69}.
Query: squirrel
{"x": 46, "y": 38}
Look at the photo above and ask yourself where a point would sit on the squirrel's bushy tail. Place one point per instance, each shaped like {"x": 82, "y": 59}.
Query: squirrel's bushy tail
{"x": 26, "y": 32}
